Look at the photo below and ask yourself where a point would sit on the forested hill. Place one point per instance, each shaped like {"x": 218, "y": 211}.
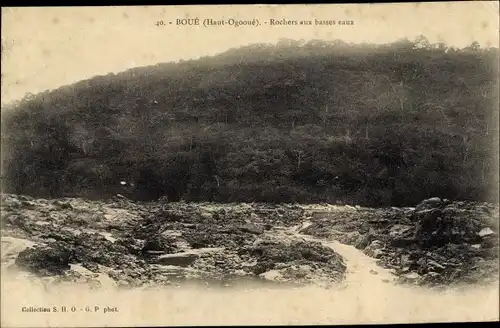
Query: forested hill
{"x": 293, "y": 122}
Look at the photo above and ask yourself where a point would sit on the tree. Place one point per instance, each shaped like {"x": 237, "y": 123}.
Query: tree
{"x": 294, "y": 121}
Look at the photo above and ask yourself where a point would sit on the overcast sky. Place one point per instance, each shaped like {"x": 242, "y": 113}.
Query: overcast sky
{"x": 44, "y": 48}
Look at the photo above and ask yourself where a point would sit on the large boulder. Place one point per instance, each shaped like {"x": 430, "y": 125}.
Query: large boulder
{"x": 286, "y": 260}
{"x": 45, "y": 260}
{"x": 436, "y": 227}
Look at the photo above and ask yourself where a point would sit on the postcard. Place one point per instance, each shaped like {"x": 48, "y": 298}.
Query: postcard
{"x": 250, "y": 164}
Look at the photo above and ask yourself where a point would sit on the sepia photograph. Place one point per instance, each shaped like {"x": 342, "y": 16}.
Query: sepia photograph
{"x": 250, "y": 164}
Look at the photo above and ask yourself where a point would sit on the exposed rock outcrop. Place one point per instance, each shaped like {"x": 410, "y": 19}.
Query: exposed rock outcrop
{"x": 156, "y": 243}
{"x": 436, "y": 243}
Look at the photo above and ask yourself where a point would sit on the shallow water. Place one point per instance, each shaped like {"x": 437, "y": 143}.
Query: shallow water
{"x": 366, "y": 296}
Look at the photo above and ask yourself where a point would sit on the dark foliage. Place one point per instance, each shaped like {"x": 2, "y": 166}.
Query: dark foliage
{"x": 292, "y": 122}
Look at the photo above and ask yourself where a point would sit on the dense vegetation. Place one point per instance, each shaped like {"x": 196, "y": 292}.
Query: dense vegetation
{"x": 295, "y": 121}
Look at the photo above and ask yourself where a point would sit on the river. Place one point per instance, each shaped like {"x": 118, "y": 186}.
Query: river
{"x": 366, "y": 296}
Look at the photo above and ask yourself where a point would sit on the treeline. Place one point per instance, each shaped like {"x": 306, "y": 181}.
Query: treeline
{"x": 289, "y": 122}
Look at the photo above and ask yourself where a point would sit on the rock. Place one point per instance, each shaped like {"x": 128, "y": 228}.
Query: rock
{"x": 28, "y": 204}
{"x": 63, "y": 205}
{"x": 10, "y": 202}
{"x": 485, "y": 232}
{"x": 178, "y": 259}
{"x": 272, "y": 275}
{"x": 93, "y": 247}
{"x": 431, "y": 278}
{"x": 402, "y": 235}
{"x": 439, "y": 241}
{"x": 430, "y": 203}
{"x": 399, "y": 230}
{"x": 489, "y": 242}
{"x": 274, "y": 255}
{"x": 351, "y": 238}
{"x": 362, "y": 241}
{"x": 411, "y": 277}
{"x": 405, "y": 270}
{"x": 45, "y": 260}
{"x": 206, "y": 215}
{"x": 350, "y": 208}
{"x": 133, "y": 246}
{"x": 251, "y": 228}
{"x": 402, "y": 242}
{"x": 428, "y": 215}
{"x": 376, "y": 253}
{"x": 158, "y": 243}
{"x": 93, "y": 267}
{"x": 434, "y": 266}
{"x": 376, "y": 244}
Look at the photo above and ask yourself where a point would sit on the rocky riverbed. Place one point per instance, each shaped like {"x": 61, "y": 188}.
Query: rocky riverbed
{"x": 436, "y": 244}
{"x": 137, "y": 245}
